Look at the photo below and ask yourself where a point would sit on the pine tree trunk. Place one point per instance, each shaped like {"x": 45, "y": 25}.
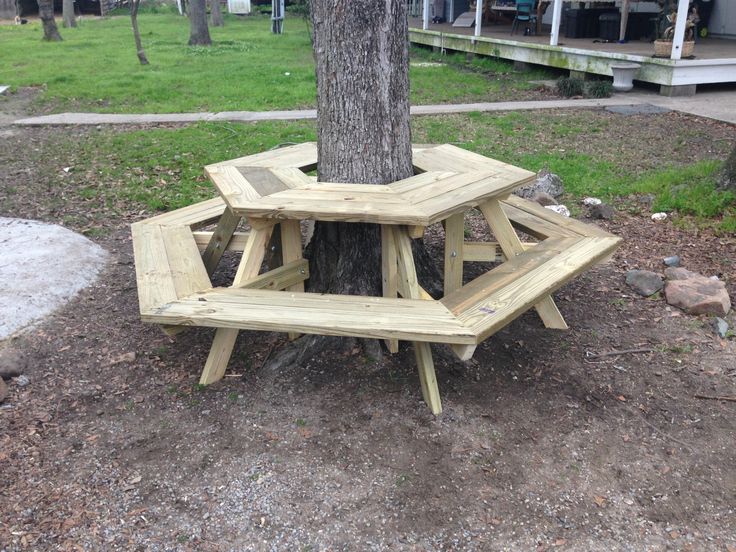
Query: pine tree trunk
{"x": 68, "y": 13}
{"x": 362, "y": 58}
{"x": 216, "y": 13}
{"x": 728, "y": 172}
{"x": 136, "y": 33}
{"x": 46, "y": 13}
{"x": 199, "y": 32}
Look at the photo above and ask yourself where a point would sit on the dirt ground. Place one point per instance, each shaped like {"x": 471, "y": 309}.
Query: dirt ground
{"x": 112, "y": 446}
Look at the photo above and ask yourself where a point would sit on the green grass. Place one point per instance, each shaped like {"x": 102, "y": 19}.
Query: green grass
{"x": 247, "y": 68}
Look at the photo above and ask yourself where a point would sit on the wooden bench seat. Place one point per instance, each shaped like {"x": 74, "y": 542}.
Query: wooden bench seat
{"x": 312, "y": 313}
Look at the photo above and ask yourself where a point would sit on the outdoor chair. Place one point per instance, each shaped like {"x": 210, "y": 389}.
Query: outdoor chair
{"x": 526, "y": 14}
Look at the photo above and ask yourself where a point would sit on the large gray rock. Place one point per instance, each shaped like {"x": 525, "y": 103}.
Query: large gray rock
{"x": 546, "y": 182}
{"x": 644, "y": 282}
{"x": 696, "y": 294}
{"x": 12, "y": 363}
{"x": 602, "y": 212}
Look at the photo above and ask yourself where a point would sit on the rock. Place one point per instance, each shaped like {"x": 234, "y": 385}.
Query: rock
{"x": 720, "y": 326}
{"x": 602, "y": 211}
{"x": 673, "y": 260}
{"x": 22, "y": 381}
{"x": 12, "y": 363}
{"x": 659, "y": 216}
{"x": 591, "y": 201}
{"x": 698, "y": 295}
{"x": 559, "y": 209}
{"x": 546, "y": 182}
{"x": 679, "y": 273}
{"x": 3, "y": 390}
{"x": 544, "y": 199}
{"x": 644, "y": 282}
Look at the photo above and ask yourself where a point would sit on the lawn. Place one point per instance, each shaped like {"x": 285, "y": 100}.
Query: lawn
{"x": 247, "y": 68}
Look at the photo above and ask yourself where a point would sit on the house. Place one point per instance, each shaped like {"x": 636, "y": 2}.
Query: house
{"x": 583, "y": 49}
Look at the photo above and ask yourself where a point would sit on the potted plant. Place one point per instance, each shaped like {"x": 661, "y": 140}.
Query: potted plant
{"x": 663, "y": 45}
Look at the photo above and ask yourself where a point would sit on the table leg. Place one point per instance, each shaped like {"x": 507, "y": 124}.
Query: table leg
{"x": 410, "y": 289}
{"x": 250, "y": 265}
{"x": 512, "y": 246}
{"x": 389, "y": 273}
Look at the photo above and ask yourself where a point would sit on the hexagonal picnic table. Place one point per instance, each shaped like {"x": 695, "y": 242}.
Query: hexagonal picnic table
{"x": 175, "y": 257}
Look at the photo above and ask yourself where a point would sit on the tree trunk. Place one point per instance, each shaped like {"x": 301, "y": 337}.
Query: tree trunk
{"x": 136, "y": 33}
{"x": 727, "y": 180}
{"x": 199, "y": 32}
{"x": 362, "y": 60}
{"x": 46, "y": 13}
{"x": 68, "y": 13}
{"x": 216, "y": 13}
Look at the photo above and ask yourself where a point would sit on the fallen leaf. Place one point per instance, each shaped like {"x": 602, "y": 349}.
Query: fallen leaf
{"x": 560, "y": 542}
{"x": 621, "y": 398}
{"x": 626, "y": 438}
{"x": 665, "y": 470}
{"x": 600, "y": 501}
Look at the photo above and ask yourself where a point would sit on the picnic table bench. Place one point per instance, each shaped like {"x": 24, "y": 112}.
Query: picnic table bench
{"x": 175, "y": 255}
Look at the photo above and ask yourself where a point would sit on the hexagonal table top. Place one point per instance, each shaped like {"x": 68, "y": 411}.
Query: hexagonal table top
{"x": 274, "y": 184}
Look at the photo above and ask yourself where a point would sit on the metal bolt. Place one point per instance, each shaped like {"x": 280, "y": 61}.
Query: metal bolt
{"x": 453, "y": 254}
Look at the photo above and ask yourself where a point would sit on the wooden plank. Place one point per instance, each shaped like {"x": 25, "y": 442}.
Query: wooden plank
{"x": 421, "y": 188}
{"x": 155, "y": 286}
{"x": 313, "y": 313}
{"x": 447, "y": 157}
{"x": 419, "y": 181}
{"x": 568, "y": 223}
{"x": 511, "y": 246}
{"x": 236, "y": 243}
{"x": 283, "y": 277}
{"x": 220, "y": 239}
{"x": 196, "y": 215}
{"x": 233, "y": 187}
{"x": 302, "y": 156}
{"x": 533, "y": 225}
{"x": 291, "y": 251}
{"x": 224, "y": 341}
{"x": 262, "y": 180}
{"x": 463, "y": 352}
{"x": 389, "y": 273}
{"x": 186, "y": 269}
{"x": 454, "y": 237}
{"x": 487, "y": 316}
{"x": 408, "y": 284}
{"x": 416, "y": 232}
{"x": 487, "y": 252}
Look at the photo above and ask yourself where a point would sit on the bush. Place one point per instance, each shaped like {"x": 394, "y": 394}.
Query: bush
{"x": 570, "y": 86}
{"x": 598, "y": 89}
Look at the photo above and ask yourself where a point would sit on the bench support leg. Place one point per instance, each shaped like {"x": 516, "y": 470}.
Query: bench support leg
{"x": 454, "y": 238}
{"x": 220, "y": 239}
{"x": 410, "y": 289}
{"x": 389, "y": 272}
{"x": 291, "y": 250}
{"x": 512, "y": 246}
{"x": 250, "y": 266}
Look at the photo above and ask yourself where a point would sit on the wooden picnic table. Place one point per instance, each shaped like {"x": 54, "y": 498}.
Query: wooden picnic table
{"x": 175, "y": 257}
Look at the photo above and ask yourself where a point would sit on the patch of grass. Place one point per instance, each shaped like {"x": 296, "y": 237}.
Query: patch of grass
{"x": 301, "y": 422}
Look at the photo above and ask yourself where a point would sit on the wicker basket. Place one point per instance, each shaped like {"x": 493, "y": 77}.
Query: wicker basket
{"x": 663, "y": 48}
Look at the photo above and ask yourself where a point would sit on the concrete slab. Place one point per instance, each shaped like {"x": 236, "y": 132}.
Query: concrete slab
{"x": 640, "y": 109}
{"x": 43, "y": 266}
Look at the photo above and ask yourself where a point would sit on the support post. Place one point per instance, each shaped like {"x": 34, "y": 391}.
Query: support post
{"x": 425, "y": 15}
{"x": 679, "y": 37}
{"x": 624, "y": 20}
{"x": 291, "y": 250}
{"x": 478, "y": 16}
{"x": 389, "y": 273}
{"x": 554, "y": 36}
{"x": 454, "y": 238}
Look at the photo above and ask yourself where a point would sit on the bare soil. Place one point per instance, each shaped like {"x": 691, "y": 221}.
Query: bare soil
{"x": 541, "y": 446}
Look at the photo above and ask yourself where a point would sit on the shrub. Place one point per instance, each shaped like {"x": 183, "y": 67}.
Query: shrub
{"x": 598, "y": 89}
{"x": 569, "y": 86}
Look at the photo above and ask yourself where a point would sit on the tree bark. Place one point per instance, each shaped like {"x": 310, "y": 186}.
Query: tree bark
{"x": 216, "y": 14}
{"x": 362, "y": 61}
{"x": 727, "y": 179}
{"x": 136, "y": 33}
{"x": 46, "y": 13}
{"x": 68, "y": 13}
{"x": 199, "y": 32}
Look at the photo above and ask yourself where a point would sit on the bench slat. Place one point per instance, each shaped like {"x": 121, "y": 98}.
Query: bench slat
{"x": 340, "y": 315}
{"x": 195, "y": 216}
{"x": 561, "y": 223}
{"x": 502, "y": 303}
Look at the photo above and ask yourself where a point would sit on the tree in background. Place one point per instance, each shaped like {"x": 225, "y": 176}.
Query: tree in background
{"x": 199, "y": 34}
{"x": 67, "y": 11}
{"x": 727, "y": 179}
{"x": 216, "y": 14}
{"x": 134, "y": 4}
{"x": 46, "y": 13}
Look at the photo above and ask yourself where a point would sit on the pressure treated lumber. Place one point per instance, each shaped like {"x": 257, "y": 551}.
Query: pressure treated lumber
{"x": 389, "y": 274}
